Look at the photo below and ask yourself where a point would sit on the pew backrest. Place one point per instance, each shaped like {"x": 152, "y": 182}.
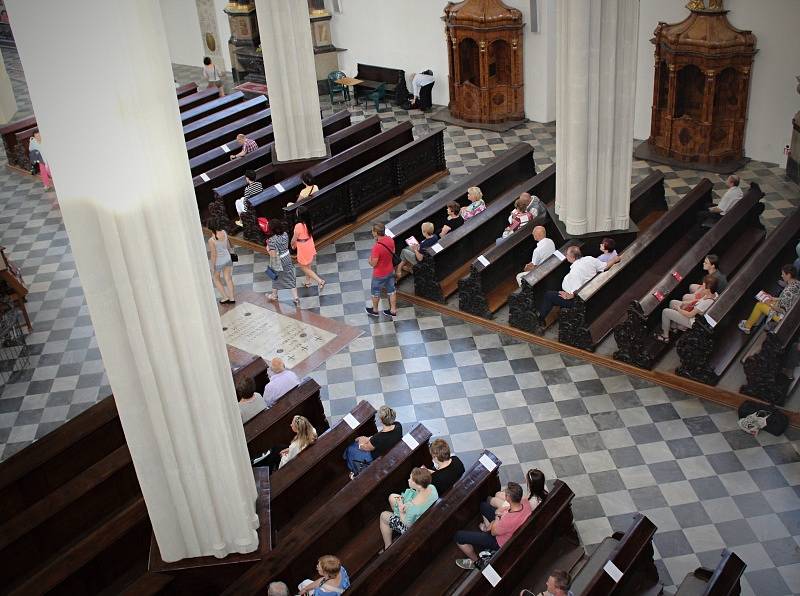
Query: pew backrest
{"x": 224, "y": 137}
{"x": 224, "y": 116}
{"x": 210, "y": 107}
{"x": 186, "y": 89}
{"x": 194, "y": 100}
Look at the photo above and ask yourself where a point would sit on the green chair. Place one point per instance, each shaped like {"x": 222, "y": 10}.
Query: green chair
{"x": 335, "y": 88}
{"x": 378, "y": 96}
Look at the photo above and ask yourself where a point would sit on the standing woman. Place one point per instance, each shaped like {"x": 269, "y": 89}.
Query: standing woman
{"x": 219, "y": 248}
{"x": 36, "y": 154}
{"x": 303, "y": 242}
{"x": 281, "y": 261}
{"x": 212, "y": 75}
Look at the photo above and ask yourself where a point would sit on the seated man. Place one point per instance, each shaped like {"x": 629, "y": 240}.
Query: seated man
{"x": 281, "y": 381}
{"x": 581, "y": 271}
{"x": 775, "y": 307}
{"x": 710, "y": 267}
{"x": 544, "y": 248}
{"x": 253, "y": 188}
{"x": 418, "y": 81}
{"x": 278, "y": 589}
{"x": 557, "y": 585}
{"x": 248, "y": 146}
{"x": 682, "y": 314}
{"x": 732, "y": 196}
{"x": 501, "y": 526}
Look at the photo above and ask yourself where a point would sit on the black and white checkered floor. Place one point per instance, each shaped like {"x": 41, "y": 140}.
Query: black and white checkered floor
{"x": 622, "y": 444}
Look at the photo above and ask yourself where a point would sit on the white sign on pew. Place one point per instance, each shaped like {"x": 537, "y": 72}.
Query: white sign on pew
{"x": 226, "y": 149}
{"x": 559, "y": 255}
{"x": 279, "y": 187}
{"x": 487, "y": 462}
{"x": 204, "y": 177}
{"x": 483, "y": 261}
{"x": 436, "y": 247}
{"x": 351, "y": 421}
{"x": 613, "y": 571}
{"x": 491, "y": 575}
{"x": 711, "y": 321}
{"x": 410, "y": 441}
{"x": 389, "y": 233}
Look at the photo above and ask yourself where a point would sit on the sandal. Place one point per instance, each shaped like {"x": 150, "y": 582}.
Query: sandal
{"x": 662, "y": 339}
{"x": 306, "y": 284}
{"x": 322, "y": 286}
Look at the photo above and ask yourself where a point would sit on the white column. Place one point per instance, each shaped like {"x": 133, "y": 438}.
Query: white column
{"x": 101, "y": 85}
{"x": 596, "y": 89}
{"x": 285, "y": 31}
{"x": 8, "y": 103}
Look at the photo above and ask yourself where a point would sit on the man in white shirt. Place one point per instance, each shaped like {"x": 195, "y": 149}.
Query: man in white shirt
{"x": 581, "y": 271}
{"x": 544, "y": 248}
{"x": 732, "y": 196}
{"x": 418, "y": 81}
{"x": 281, "y": 381}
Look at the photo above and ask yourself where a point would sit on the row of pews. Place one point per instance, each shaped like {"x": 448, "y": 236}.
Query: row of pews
{"x": 73, "y": 521}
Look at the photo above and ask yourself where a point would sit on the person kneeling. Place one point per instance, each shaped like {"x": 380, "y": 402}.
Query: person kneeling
{"x": 408, "y": 507}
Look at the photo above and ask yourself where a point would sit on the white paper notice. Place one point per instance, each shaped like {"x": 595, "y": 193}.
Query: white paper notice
{"x": 436, "y": 247}
{"x": 204, "y": 177}
{"x": 279, "y": 187}
{"x": 410, "y": 441}
{"x": 487, "y": 462}
{"x": 226, "y": 149}
{"x": 351, "y": 421}
{"x": 711, "y": 321}
{"x": 483, "y": 261}
{"x": 491, "y": 575}
{"x": 559, "y": 255}
{"x": 613, "y": 571}
{"x": 389, "y": 233}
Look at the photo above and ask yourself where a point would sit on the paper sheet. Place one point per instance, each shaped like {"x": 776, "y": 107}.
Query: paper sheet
{"x": 483, "y": 260}
{"x": 411, "y": 442}
{"x": 491, "y": 575}
{"x": 351, "y": 421}
{"x": 613, "y": 571}
{"x": 487, "y": 462}
{"x": 204, "y": 177}
{"x": 559, "y": 255}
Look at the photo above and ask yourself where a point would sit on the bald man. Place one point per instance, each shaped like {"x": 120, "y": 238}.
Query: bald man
{"x": 544, "y": 248}
{"x": 281, "y": 381}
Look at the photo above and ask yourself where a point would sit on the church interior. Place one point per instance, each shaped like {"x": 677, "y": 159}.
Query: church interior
{"x": 552, "y": 239}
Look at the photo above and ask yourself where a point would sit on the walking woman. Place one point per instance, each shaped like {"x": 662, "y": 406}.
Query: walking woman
{"x": 303, "y": 242}
{"x": 219, "y": 248}
{"x": 213, "y": 76}
{"x": 281, "y": 261}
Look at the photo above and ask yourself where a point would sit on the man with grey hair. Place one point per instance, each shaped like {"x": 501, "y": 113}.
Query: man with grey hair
{"x": 281, "y": 381}
{"x": 278, "y": 589}
{"x": 732, "y": 196}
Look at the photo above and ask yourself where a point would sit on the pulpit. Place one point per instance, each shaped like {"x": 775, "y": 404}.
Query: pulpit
{"x": 484, "y": 50}
{"x": 700, "y": 91}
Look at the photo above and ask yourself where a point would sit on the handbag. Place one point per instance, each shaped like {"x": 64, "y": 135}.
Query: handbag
{"x": 395, "y": 259}
{"x": 234, "y": 257}
{"x": 753, "y": 423}
{"x": 271, "y": 273}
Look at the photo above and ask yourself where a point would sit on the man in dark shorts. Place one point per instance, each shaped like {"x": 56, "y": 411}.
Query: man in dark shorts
{"x": 380, "y": 259}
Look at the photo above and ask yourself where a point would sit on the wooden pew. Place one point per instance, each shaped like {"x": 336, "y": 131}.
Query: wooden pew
{"x": 735, "y": 237}
{"x": 632, "y": 554}
{"x": 210, "y": 107}
{"x": 194, "y": 100}
{"x": 711, "y": 345}
{"x": 225, "y": 136}
{"x": 272, "y": 200}
{"x": 319, "y": 471}
{"x": 601, "y": 302}
{"x": 764, "y": 360}
{"x": 360, "y": 193}
{"x": 298, "y": 548}
{"x": 187, "y": 89}
{"x": 9, "y": 132}
{"x": 409, "y": 555}
{"x": 545, "y": 542}
{"x": 206, "y": 124}
{"x": 492, "y": 280}
{"x": 372, "y": 76}
{"x": 225, "y": 183}
{"x": 494, "y": 179}
{"x": 725, "y": 580}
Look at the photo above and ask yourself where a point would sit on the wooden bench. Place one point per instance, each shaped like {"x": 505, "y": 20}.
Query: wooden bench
{"x": 184, "y": 90}
{"x": 224, "y": 137}
{"x": 190, "y": 102}
{"x": 735, "y": 237}
{"x": 210, "y": 107}
{"x": 409, "y": 555}
{"x": 546, "y": 541}
{"x": 359, "y": 195}
{"x": 725, "y": 580}
{"x": 764, "y": 361}
{"x": 299, "y": 546}
{"x": 504, "y": 172}
{"x": 9, "y": 132}
{"x": 206, "y": 124}
{"x": 319, "y": 471}
{"x": 492, "y": 279}
{"x": 372, "y": 76}
{"x": 712, "y": 344}
{"x": 226, "y": 183}
{"x": 602, "y": 301}
{"x": 632, "y": 555}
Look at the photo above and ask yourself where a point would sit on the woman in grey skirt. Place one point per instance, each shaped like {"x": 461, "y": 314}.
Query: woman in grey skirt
{"x": 281, "y": 261}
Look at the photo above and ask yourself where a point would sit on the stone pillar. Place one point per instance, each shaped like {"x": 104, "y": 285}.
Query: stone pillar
{"x": 116, "y": 149}
{"x": 596, "y": 89}
{"x": 8, "y": 103}
{"x": 284, "y": 29}
{"x": 209, "y": 31}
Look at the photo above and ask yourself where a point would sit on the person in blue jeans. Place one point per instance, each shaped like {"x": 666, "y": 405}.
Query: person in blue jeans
{"x": 360, "y": 453}
{"x": 381, "y": 261}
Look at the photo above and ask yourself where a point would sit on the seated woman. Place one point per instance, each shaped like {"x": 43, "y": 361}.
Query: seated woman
{"x": 412, "y": 254}
{"x": 536, "y": 207}
{"x": 454, "y": 219}
{"x": 408, "y": 507}
{"x": 250, "y": 402}
{"x": 607, "y": 246}
{"x": 536, "y": 494}
{"x": 519, "y": 216}
{"x": 476, "y": 204}
{"x": 363, "y": 450}
{"x": 333, "y": 578}
{"x": 447, "y": 468}
{"x": 309, "y": 187}
{"x": 775, "y": 307}
{"x": 682, "y": 314}
{"x": 305, "y": 435}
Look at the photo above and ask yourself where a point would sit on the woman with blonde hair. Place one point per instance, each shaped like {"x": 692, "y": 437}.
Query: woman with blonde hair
{"x": 333, "y": 578}
{"x": 304, "y": 435}
{"x": 412, "y": 254}
{"x": 363, "y": 450}
{"x": 476, "y": 203}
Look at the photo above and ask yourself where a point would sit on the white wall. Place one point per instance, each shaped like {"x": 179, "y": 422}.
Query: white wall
{"x": 183, "y": 32}
{"x": 773, "y": 100}
{"x": 223, "y": 26}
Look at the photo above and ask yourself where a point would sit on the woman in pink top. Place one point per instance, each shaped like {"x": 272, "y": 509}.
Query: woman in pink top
{"x": 303, "y": 242}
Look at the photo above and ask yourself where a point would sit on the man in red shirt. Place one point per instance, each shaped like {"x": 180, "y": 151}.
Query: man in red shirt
{"x": 501, "y": 527}
{"x": 380, "y": 259}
